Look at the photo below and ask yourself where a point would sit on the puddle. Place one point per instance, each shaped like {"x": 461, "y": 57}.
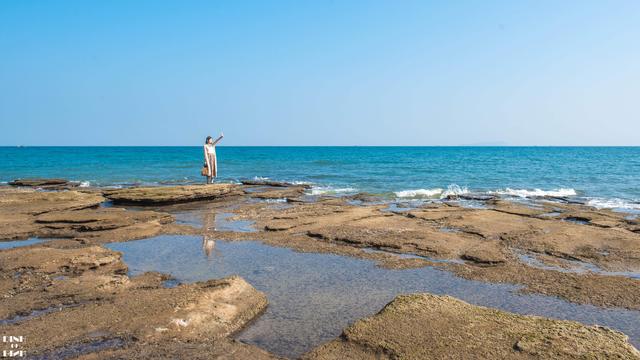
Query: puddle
{"x": 576, "y": 266}
{"x": 280, "y": 206}
{"x": 75, "y": 350}
{"x": 35, "y": 314}
{"x": 259, "y": 189}
{"x": 551, "y": 214}
{"x": 312, "y": 297}
{"x": 106, "y": 204}
{"x": 222, "y": 223}
{"x": 171, "y": 283}
{"x": 411, "y": 256}
{"x": 396, "y": 207}
{"x": 212, "y": 220}
{"x": 577, "y": 220}
{"x": 446, "y": 229}
{"x": 469, "y": 204}
{"x": 19, "y": 243}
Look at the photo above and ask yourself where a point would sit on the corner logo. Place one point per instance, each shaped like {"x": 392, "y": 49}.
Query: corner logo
{"x": 12, "y": 346}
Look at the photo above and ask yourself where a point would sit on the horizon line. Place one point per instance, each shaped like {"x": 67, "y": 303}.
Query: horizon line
{"x": 408, "y": 146}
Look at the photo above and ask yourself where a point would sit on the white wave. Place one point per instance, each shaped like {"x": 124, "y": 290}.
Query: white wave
{"x": 613, "y": 204}
{"x": 260, "y": 178}
{"x": 301, "y": 182}
{"x": 419, "y": 193}
{"x": 84, "y": 184}
{"x": 535, "y": 192}
{"x": 324, "y": 190}
{"x": 453, "y": 190}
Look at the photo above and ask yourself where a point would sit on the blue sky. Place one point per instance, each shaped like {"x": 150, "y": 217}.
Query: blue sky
{"x": 320, "y": 72}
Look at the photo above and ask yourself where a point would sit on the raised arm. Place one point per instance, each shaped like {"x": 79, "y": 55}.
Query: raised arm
{"x": 218, "y": 139}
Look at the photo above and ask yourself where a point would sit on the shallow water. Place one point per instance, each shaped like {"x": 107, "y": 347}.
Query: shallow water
{"x": 312, "y": 297}
{"x": 212, "y": 220}
{"x": 19, "y": 243}
{"x": 75, "y": 350}
{"x": 575, "y": 266}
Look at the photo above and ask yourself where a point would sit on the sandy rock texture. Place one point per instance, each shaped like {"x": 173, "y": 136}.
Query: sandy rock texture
{"x": 578, "y": 261}
{"x": 85, "y": 290}
{"x": 72, "y": 214}
{"x": 43, "y": 183}
{"x": 424, "y": 326}
{"x": 171, "y": 194}
{"x": 19, "y": 207}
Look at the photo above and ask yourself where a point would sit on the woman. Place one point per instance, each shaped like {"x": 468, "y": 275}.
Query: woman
{"x": 210, "y": 157}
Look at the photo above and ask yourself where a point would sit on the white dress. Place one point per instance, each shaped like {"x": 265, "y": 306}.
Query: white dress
{"x": 212, "y": 162}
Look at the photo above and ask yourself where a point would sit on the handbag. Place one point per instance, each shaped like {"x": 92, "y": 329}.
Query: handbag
{"x": 204, "y": 171}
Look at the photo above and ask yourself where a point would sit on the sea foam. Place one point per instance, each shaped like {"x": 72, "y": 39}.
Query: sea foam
{"x": 452, "y": 190}
{"x": 613, "y": 204}
{"x": 536, "y": 192}
{"x": 324, "y": 190}
{"x": 418, "y": 193}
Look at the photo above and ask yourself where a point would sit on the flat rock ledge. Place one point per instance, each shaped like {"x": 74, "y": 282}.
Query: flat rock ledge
{"x": 163, "y": 195}
{"x": 425, "y": 326}
{"x": 43, "y": 183}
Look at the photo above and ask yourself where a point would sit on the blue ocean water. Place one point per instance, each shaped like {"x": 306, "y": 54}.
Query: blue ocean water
{"x": 610, "y": 176}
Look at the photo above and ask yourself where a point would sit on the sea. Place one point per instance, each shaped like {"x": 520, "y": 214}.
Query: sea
{"x": 604, "y": 177}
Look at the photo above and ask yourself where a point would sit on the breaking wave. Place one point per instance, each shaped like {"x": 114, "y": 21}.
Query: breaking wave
{"x": 613, "y": 204}
{"x": 418, "y": 193}
{"x": 452, "y": 189}
{"x": 325, "y": 190}
{"x": 535, "y": 192}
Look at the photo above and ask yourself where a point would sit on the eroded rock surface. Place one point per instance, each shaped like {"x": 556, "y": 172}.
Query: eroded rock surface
{"x": 71, "y": 214}
{"x": 19, "y": 207}
{"x": 489, "y": 242}
{"x": 85, "y": 290}
{"x": 36, "y": 182}
{"x": 171, "y": 194}
{"x": 425, "y": 326}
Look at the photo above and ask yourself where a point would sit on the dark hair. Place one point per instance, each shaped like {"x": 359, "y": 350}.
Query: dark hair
{"x": 207, "y": 140}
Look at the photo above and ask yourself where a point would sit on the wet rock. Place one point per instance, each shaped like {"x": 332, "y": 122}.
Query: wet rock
{"x": 107, "y": 224}
{"x": 477, "y": 197}
{"x": 68, "y": 214}
{"x": 171, "y": 194}
{"x": 176, "y": 349}
{"x": 42, "y": 183}
{"x": 272, "y": 183}
{"x": 195, "y": 313}
{"x": 30, "y": 202}
{"x": 424, "y": 326}
{"x": 364, "y": 197}
{"x": 286, "y": 193}
{"x": 19, "y": 206}
{"x": 486, "y": 253}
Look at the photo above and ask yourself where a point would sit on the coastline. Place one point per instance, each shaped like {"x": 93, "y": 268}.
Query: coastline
{"x": 555, "y": 249}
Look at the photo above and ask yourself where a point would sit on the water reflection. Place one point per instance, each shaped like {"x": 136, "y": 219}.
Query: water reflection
{"x": 312, "y": 297}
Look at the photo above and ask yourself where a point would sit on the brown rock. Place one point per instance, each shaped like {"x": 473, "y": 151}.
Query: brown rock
{"x": 162, "y": 195}
{"x": 35, "y": 182}
{"x": 424, "y": 326}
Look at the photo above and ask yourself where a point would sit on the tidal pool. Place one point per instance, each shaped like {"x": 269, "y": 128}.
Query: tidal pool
{"x": 19, "y": 243}
{"x": 312, "y": 297}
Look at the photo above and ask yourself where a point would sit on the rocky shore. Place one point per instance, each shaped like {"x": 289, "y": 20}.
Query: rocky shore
{"x": 73, "y": 282}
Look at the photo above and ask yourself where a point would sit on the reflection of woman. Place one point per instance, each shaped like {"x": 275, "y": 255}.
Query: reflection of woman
{"x": 210, "y": 157}
{"x": 208, "y": 242}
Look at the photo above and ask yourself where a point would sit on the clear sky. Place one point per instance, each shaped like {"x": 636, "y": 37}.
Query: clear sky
{"x": 320, "y": 72}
